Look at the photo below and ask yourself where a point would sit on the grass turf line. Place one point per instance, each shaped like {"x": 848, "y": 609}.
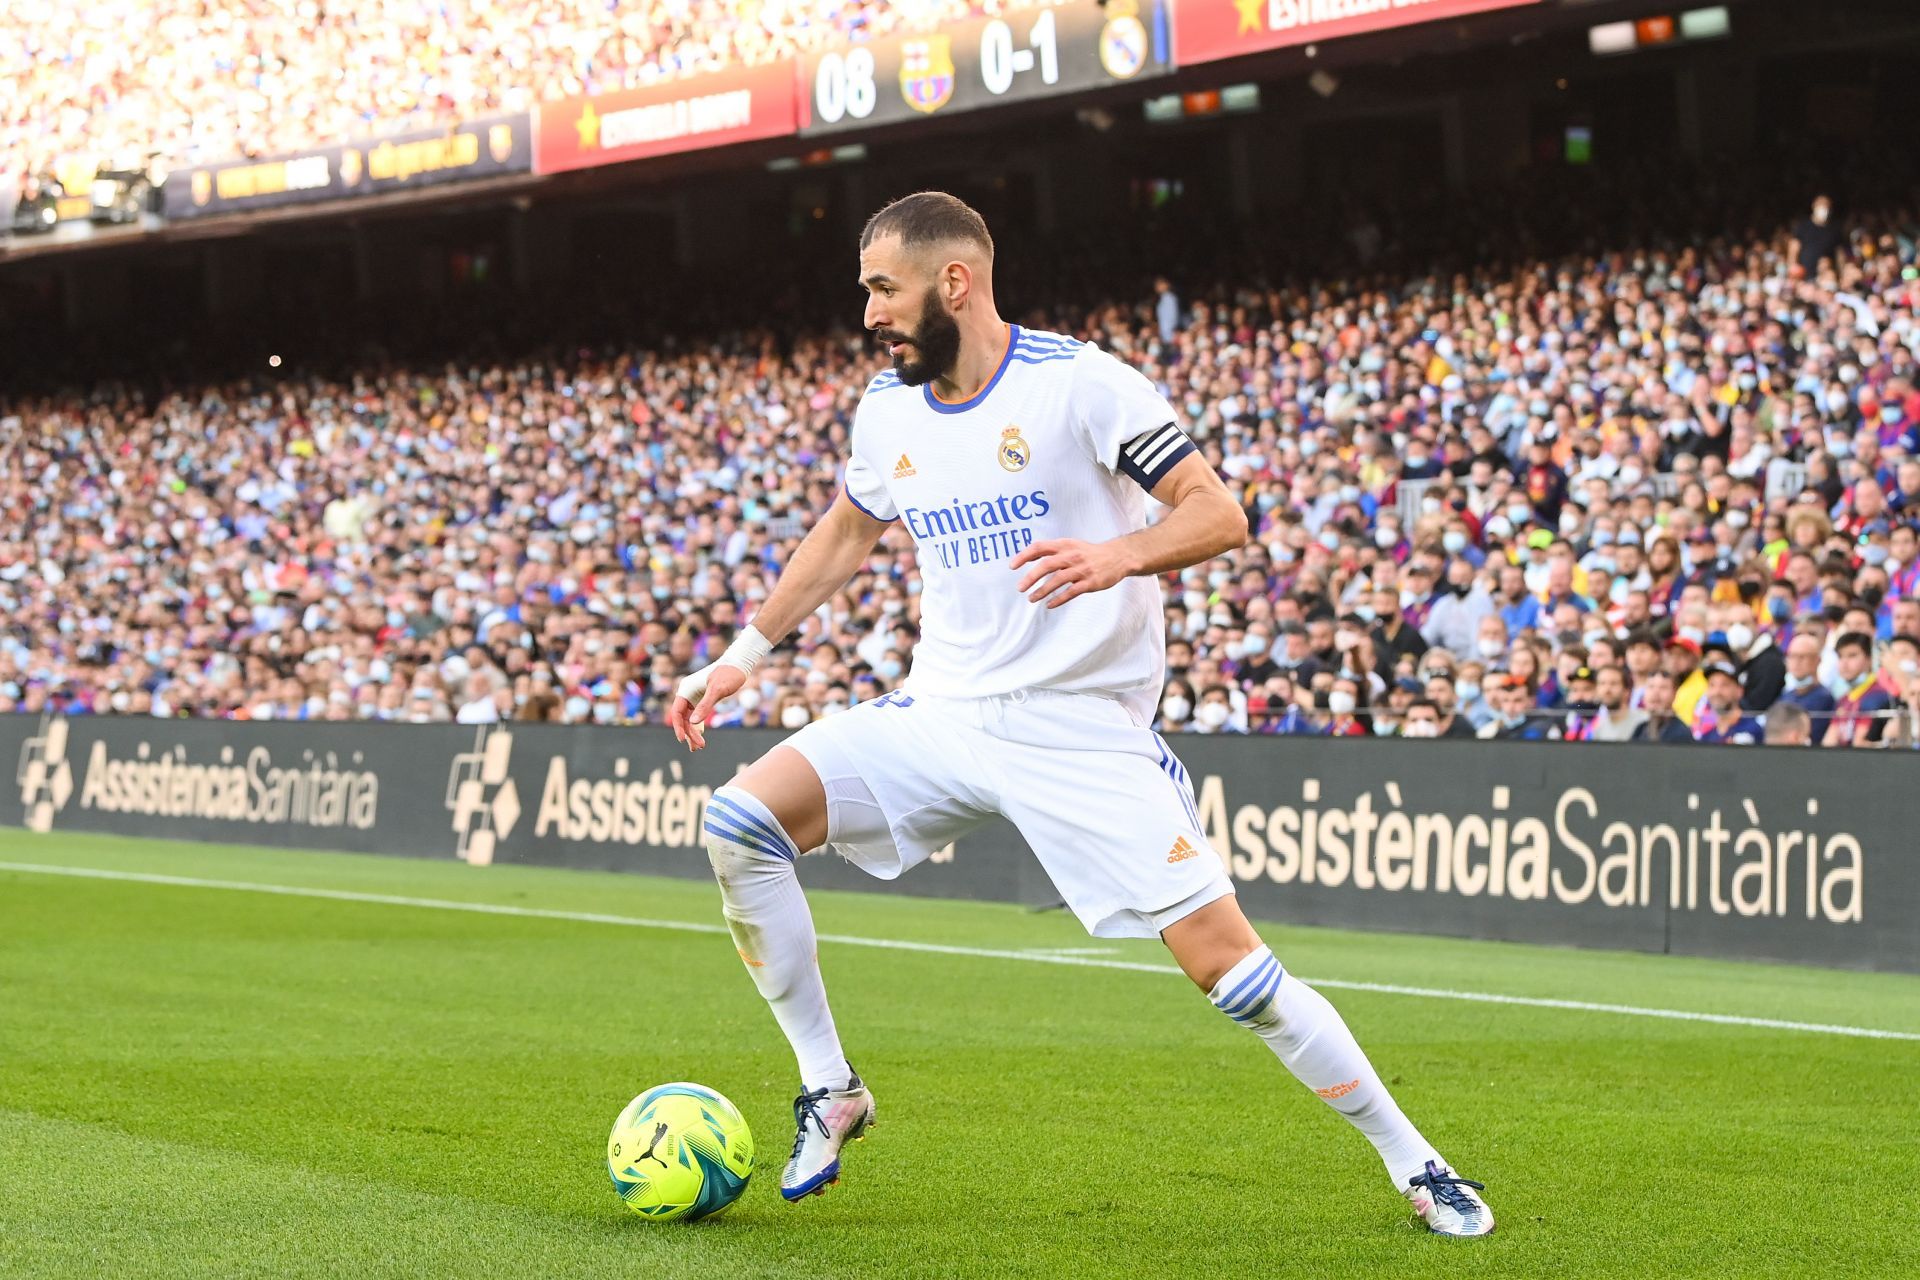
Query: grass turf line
{"x": 199, "y": 1082}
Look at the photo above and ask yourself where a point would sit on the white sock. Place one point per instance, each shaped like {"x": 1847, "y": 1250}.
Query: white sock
{"x": 1311, "y": 1039}
{"x": 773, "y": 929}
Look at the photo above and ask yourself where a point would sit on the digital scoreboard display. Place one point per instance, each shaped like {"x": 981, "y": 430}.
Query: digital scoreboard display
{"x": 1032, "y": 53}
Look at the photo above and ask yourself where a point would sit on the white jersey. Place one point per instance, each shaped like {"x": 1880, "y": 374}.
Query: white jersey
{"x": 1064, "y": 441}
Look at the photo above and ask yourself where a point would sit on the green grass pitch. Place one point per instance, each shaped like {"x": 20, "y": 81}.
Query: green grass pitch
{"x": 210, "y": 1082}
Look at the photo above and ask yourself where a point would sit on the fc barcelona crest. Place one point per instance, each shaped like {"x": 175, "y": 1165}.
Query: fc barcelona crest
{"x": 1014, "y": 452}
{"x": 926, "y": 73}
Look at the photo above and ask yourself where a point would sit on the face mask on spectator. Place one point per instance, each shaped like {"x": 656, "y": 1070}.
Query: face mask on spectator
{"x": 795, "y": 716}
{"x": 1874, "y": 554}
{"x": 1386, "y": 537}
{"x": 1330, "y": 540}
{"x": 1466, "y": 690}
{"x": 1194, "y": 600}
{"x": 1454, "y": 541}
{"x": 1420, "y": 729}
{"x": 1490, "y": 648}
{"x": 1340, "y": 702}
{"x": 1365, "y": 613}
{"x": 1212, "y": 714}
{"x": 1517, "y": 513}
{"x": 1694, "y": 634}
{"x": 1218, "y": 578}
{"x": 748, "y": 698}
{"x": 1740, "y": 637}
{"x": 888, "y": 669}
{"x": 1255, "y": 646}
{"x": 1736, "y": 519}
{"x": 1174, "y": 707}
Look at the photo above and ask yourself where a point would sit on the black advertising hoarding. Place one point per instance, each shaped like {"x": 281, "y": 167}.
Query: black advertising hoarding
{"x": 1022, "y": 55}
{"x": 1795, "y": 855}
{"x": 374, "y": 166}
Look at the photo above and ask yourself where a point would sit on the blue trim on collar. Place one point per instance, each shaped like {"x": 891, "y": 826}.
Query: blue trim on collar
{"x": 1006, "y": 358}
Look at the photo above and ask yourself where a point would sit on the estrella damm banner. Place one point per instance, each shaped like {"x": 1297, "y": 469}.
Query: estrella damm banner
{"x": 1206, "y": 30}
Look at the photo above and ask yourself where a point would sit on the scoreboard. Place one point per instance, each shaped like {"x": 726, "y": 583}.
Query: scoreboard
{"x": 1031, "y": 53}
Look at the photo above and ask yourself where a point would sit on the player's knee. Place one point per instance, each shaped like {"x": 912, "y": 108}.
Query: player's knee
{"x": 742, "y": 836}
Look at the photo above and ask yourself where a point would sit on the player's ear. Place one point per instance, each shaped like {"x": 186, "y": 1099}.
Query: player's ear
{"x": 956, "y": 282}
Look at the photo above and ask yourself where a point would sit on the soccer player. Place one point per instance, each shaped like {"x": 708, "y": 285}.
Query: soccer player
{"x": 1020, "y": 462}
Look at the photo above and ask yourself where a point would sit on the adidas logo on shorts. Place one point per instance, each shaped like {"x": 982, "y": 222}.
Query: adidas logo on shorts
{"x": 1182, "y": 850}
{"x": 903, "y": 468}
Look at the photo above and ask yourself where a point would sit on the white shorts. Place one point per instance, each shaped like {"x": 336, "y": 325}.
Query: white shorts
{"x": 1099, "y": 796}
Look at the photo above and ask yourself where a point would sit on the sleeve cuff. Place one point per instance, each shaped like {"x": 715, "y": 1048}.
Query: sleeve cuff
{"x": 863, "y": 507}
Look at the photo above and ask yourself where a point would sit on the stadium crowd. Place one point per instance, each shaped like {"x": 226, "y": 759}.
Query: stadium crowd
{"x": 195, "y": 81}
{"x": 1664, "y": 494}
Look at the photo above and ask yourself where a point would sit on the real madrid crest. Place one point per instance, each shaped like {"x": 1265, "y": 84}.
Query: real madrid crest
{"x": 1123, "y": 40}
{"x": 1015, "y": 453}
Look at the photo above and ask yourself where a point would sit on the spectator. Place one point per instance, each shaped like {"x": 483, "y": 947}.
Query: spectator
{"x": 1166, "y": 310}
{"x": 1788, "y": 726}
{"x": 1513, "y": 719}
{"x": 1815, "y": 237}
{"x": 1662, "y": 725}
{"x": 1422, "y": 719}
{"x": 1802, "y": 687}
{"x": 1690, "y": 684}
{"x": 1346, "y": 702}
{"x": 1861, "y": 704}
{"x": 1453, "y": 623}
{"x": 1617, "y": 720}
{"x": 1583, "y": 705}
{"x": 1720, "y": 717}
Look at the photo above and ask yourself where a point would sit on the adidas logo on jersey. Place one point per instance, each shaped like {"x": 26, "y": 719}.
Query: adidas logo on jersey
{"x": 903, "y": 468}
{"x": 1182, "y": 850}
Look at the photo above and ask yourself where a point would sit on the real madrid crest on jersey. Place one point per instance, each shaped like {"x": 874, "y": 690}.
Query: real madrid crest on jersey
{"x": 1014, "y": 451}
{"x": 1123, "y": 41}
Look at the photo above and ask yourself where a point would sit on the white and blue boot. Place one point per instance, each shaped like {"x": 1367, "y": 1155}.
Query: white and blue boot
{"x": 1447, "y": 1203}
{"x": 827, "y": 1119}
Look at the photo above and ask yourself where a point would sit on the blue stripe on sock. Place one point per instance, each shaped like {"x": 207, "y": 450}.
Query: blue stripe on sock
{"x": 767, "y": 828}
{"x": 719, "y": 826}
{"x": 1230, "y": 1000}
{"x": 1252, "y": 1007}
{"x": 763, "y": 827}
{"x": 1259, "y": 1007}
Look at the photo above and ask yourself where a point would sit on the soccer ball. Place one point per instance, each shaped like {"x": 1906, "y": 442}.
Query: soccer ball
{"x": 679, "y": 1152}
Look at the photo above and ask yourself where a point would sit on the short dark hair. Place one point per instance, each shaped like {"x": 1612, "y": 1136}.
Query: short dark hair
{"x": 1855, "y": 640}
{"x": 1426, "y": 703}
{"x": 928, "y": 218}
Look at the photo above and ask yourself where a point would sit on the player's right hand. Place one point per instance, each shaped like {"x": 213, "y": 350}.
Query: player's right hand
{"x": 694, "y": 700}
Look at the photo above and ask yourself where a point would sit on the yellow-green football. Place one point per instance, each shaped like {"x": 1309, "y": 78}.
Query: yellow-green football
{"x": 679, "y": 1153}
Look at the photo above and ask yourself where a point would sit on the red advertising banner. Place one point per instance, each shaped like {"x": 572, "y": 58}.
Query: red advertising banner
{"x": 1206, "y": 30}
{"x": 737, "y": 105}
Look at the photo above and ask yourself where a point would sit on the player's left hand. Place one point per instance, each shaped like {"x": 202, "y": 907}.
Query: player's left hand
{"x": 1066, "y": 567}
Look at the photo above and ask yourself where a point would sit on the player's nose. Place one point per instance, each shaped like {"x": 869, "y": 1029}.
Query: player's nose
{"x": 877, "y": 317}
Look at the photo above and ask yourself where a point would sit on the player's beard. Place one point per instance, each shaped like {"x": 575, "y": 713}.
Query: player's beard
{"x": 935, "y": 345}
